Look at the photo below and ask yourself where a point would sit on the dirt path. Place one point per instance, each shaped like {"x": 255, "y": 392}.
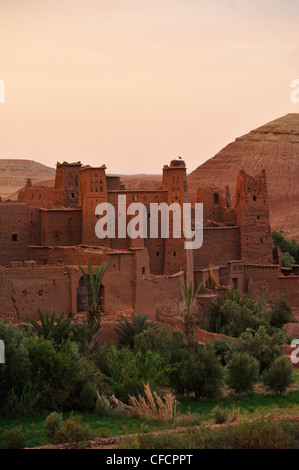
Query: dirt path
{"x": 112, "y": 442}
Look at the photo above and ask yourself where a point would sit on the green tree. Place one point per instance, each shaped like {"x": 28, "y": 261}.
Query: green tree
{"x": 231, "y": 313}
{"x": 261, "y": 345}
{"x": 93, "y": 278}
{"x": 243, "y": 373}
{"x": 279, "y": 376}
{"x": 200, "y": 372}
{"x": 56, "y": 329}
{"x": 281, "y": 312}
{"x": 128, "y": 329}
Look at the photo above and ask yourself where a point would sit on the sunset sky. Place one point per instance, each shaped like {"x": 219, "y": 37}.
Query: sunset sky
{"x": 135, "y": 83}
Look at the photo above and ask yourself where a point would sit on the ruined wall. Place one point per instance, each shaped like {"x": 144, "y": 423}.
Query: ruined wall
{"x": 216, "y": 205}
{"x": 63, "y": 194}
{"x": 168, "y": 298}
{"x": 19, "y": 228}
{"x": 220, "y": 245}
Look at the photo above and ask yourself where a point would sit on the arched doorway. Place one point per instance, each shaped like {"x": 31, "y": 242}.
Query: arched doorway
{"x": 83, "y": 297}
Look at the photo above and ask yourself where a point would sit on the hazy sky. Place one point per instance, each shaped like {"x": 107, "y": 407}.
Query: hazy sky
{"x": 135, "y": 83}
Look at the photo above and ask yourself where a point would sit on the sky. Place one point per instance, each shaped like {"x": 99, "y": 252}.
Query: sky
{"x": 136, "y": 83}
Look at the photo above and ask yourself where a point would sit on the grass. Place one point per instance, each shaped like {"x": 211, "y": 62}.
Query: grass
{"x": 252, "y": 405}
{"x": 105, "y": 426}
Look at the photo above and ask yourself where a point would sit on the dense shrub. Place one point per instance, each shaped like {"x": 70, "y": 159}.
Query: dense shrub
{"x": 52, "y": 424}
{"x": 279, "y": 376}
{"x": 281, "y": 312}
{"x": 261, "y": 345}
{"x": 88, "y": 383}
{"x": 170, "y": 345}
{"x": 231, "y": 314}
{"x": 52, "y": 327}
{"x": 14, "y": 438}
{"x": 222, "y": 348}
{"x": 71, "y": 430}
{"x": 243, "y": 373}
{"x": 53, "y": 372}
{"x": 200, "y": 372}
{"x": 128, "y": 329}
{"x": 220, "y": 415}
{"x": 127, "y": 371}
{"x": 15, "y": 374}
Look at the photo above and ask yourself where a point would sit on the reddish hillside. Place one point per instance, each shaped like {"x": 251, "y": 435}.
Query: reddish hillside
{"x": 274, "y": 147}
{"x": 14, "y": 174}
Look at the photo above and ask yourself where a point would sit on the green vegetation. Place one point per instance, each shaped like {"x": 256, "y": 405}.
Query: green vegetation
{"x": 93, "y": 279}
{"x": 256, "y": 435}
{"x": 190, "y": 296}
{"x": 72, "y": 390}
{"x": 243, "y": 373}
{"x": 56, "y": 329}
{"x": 128, "y": 329}
{"x": 279, "y": 376}
{"x": 289, "y": 249}
{"x": 232, "y": 313}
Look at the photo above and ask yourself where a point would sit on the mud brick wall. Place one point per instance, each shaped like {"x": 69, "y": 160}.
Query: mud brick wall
{"x": 19, "y": 228}
{"x": 25, "y": 289}
{"x": 220, "y": 245}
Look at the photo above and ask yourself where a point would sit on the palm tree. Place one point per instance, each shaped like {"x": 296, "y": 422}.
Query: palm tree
{"x": 190, "y": 295}
{"x": 128, "y": 329}
{"x": 51, "y": 327}
{"x": 93, "y": 279}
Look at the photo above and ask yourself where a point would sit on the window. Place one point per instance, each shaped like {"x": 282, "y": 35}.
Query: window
{"x": 216, "y": 198}
{"x": 158, "y": 253}
{"x": 174, "y": 253}
{"x": 254, "y": 198}
{"x": 143, "y": 270}
{"x": 14, "y": 237}
{"x": 73, "y": 195}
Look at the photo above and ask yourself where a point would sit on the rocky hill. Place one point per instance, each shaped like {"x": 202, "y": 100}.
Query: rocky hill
{"x": 14, "y": 173}
{"x": 274, "y": 147}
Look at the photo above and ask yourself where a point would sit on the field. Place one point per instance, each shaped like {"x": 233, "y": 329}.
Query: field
{"x": 251, "y": 406}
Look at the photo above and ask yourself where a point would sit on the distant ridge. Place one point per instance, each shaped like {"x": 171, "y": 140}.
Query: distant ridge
{"x": 273, "y": 147}
{"x": 14, "y": 174}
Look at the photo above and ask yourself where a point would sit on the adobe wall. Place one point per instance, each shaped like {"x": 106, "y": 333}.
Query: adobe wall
{"x": 19, "y": 228}
{"x": 168, "y": 298}
{"x": 269, "y": 281}
{"x": 60, "y": 227}
{"x": 220, "y": 245}
{"x": 25, "y": 289}
{"x": 37, "y": 196}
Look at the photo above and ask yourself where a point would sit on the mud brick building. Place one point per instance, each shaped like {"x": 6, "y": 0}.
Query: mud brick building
{"x": 50, "y": 230}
